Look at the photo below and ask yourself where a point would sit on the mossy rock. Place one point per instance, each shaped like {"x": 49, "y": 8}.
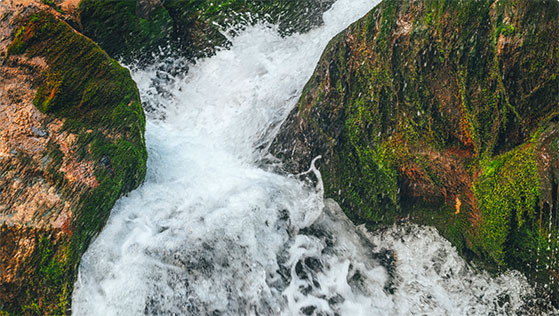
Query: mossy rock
{"x": 45, "y": 287}
{"x": 135, "y": 29}
{"x": 437, "y": 111}
{"x": 99, "y": 103}
{"x": 123, "y": 29}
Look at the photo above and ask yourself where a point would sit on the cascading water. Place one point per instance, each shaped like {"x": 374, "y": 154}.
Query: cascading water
{"x": 211, "y": 233}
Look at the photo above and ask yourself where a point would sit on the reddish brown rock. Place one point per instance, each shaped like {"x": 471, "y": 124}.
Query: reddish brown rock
{"x": 65, "y": 156}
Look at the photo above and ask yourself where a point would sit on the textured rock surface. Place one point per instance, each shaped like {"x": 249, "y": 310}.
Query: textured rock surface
{"x": 71, "y": 143}
{"x": 136, "y": 28}
{"x": 445, "y": 112}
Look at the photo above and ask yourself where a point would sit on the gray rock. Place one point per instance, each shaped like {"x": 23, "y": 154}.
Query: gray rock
{"x": 39, "y": 132}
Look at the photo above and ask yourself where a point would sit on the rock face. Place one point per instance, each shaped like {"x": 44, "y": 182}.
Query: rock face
{"x": 71, "y": 143}
{"x": 134, "y": 29}
{"x": 446, "y": 112}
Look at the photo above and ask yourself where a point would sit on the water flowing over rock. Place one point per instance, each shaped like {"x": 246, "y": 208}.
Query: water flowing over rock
{"x": 438, "y": 112}
{"x": 214, "y": 231}
{"x": 445, "y": 113}
{"x": 136, "y": 29}
{"x": 71, "y": 143}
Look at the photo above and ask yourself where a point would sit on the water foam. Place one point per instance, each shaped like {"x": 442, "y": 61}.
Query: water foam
{"x": 209, "y": 232}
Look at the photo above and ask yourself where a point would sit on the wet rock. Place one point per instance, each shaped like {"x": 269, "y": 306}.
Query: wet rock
{"x": 145, "y": 8}
{"x": 39, "y": 132}
{"x": 446, "y": 115}
{"x": 64, "y": 106}
{"x": 136, "y": 30}
{"x": 308, "y": 310}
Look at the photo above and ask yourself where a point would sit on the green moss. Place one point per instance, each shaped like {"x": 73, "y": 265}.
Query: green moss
{"x": 450, "y": 106}
{"x": 534, "y": 246}
{"x": 188, "y": 27}
{"x": 454, "y": 227}
{"x": 125, "y": 168}
{"x": 48, "y": 289}
{"x": 98, "y": 101}
{"x": 370, "y": 178}
{"x": 54, "y": 268}
{"x": 114, "y": 24}
{"x": 53, "y": 5}
{"x": 507, "y": 191}
{"x": 366, "y": 184}
{"x": 81, "y": 80}
{"x": 17, "y": 46}
{"x": 52, "y": 173}
{"x": 94, "y": 92}
{"x": 387, "y": 23}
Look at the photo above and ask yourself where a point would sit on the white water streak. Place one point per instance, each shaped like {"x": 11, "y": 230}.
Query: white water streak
{"x": 210, "y": 232}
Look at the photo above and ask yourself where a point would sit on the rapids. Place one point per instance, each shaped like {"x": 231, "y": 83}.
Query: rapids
{"x": 212, "y": 232}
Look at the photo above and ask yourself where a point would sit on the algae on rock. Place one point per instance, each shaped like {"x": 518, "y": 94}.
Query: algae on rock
{"x": 135, "y": 29}
{"x": 59, "y": 184}
{"x": 436, "y": 110}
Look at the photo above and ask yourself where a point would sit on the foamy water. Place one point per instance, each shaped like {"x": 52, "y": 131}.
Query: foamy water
{"x": 212, "y": 233}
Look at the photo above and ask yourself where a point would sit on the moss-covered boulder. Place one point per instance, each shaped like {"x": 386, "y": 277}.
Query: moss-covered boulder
{"x": 71, "y": 143}
{"x": 445, "y": 112}
{"x": 134, "y": 29}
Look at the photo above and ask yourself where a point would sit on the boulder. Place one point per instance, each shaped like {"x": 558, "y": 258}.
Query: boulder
{"x": 71, "y": 143}
{"x": 445, "y": 113}
{"x": 133, "y": 30}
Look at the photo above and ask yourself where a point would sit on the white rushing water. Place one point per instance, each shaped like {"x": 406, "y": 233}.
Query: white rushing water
{"x": 211, "y": 233}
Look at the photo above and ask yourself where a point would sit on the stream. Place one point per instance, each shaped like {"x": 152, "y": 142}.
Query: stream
{"x": 214, "y": 231}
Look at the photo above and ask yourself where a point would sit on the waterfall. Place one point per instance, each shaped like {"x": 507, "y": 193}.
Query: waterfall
{"x": 211, "y": 232}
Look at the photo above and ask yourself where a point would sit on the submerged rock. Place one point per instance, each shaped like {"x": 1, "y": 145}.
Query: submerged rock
{"x": 446, "y": 112}
{"x": 71, "y": 143}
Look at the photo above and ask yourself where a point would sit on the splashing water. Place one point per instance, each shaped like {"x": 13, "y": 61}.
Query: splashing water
{"x": 209, "y": 232}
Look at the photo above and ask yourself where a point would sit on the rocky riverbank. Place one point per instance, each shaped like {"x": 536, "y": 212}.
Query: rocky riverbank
{"x": 72, "y": 142}
{"x": 445, "y": 113}
{"x": 72, "y": 125}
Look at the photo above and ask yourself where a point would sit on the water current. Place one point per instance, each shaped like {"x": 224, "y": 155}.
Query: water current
{"x": 213, "y": 232}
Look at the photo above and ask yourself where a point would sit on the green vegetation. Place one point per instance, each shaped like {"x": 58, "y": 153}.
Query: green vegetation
{"x": 507, "y": 192}
{"x": 434, "y": 109}
{"x": 127, "y": 30}
{"x": 82, "y": 82}
{"x": 366, "y": 183}
{"x": 45, "y": 289}
{"x": 115, "y": 25}
{"x": 53, "y": 5}
{"x": 98, "y": 100}
{"x": 52, "y": 175}
{"x": 54, "y": 266}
